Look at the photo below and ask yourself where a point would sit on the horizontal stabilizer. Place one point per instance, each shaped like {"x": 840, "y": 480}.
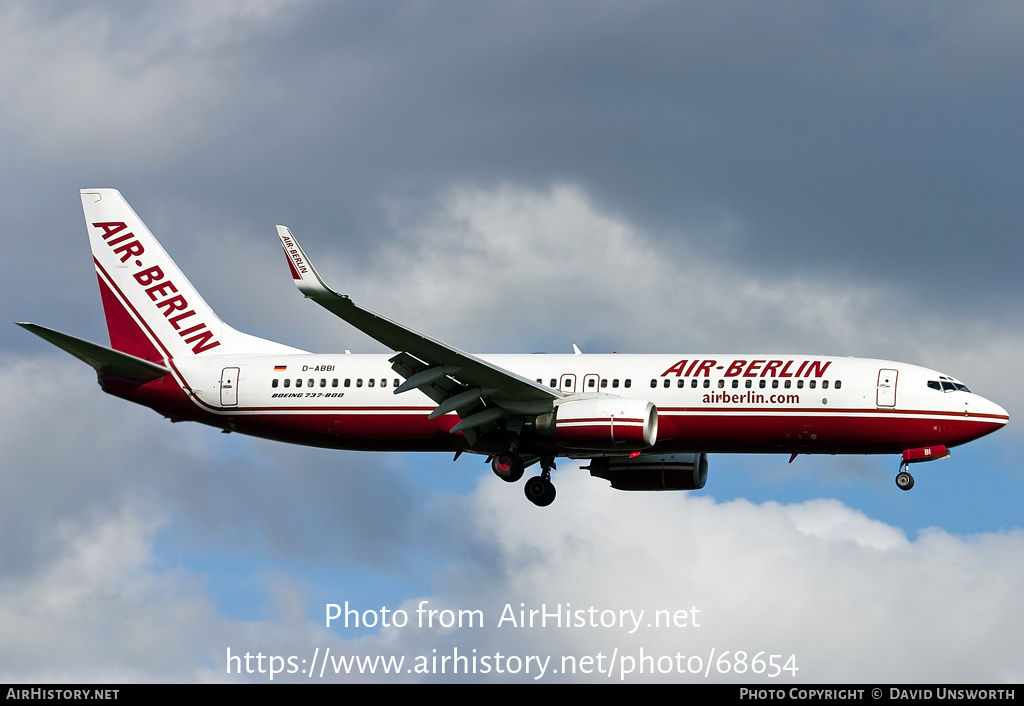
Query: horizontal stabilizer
{"x": 103, "y": 359}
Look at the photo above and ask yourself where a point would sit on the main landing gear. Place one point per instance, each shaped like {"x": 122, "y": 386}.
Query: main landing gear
{"x": 539, "y": 490}
{"x": 508, "y": 466}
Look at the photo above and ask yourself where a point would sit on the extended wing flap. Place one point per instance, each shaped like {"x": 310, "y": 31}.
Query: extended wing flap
{"x": 102, "y": 359}
{"x": 423, "y": 377}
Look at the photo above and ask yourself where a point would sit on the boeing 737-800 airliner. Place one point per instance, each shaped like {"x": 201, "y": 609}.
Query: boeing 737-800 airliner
{"x": 645, "y": 422}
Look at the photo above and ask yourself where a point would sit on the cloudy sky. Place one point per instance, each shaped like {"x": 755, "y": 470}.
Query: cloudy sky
{"x": 839, "y": 178}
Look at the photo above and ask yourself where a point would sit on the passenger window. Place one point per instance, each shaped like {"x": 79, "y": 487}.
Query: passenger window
{"x": 654, "y": 383}
{"x": 615, "y": 382}
{"x": 370, "y": 382}
{"x": 735, "y": 384}
{"x": 591, "y": 382}
{"x": 310, "y": 382}
{"x": 839, "y": 384}
{"x": 287, "y": 382}
{"x": 693, "y": 383}
{"x": 788, "y": 384}
{"x": 799, "y": 384}
{"x": 824, "y": 384}
{"x": 775, "y": 384}
{"x": 298, "y": 382}
{"x": 681, "y": 383}
{"x": 812, "y": 383}
{"x": 323, "y": 382}
{"x": 359, "y": 382}
{"x": 761, "y": 383}
{"x": 707, "y": 383}
{"x": 668, "y": 383}
{"x": 348, "y": 382}
{"x": 604, "y": 382}
{"x": 721, "y": 383}
{"x": 554, "y": 383}
{"x": 748, "y": 383}
{"x": 334, "y": 382}
{"x": 396, "y": 383}
{"x": 273, "y": 383}
{"x": 627, "y": 383}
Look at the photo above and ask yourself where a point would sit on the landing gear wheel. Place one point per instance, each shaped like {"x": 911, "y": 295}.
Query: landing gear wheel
{"x": 508, "y": 466}
{"x": 904, "y": 481}
{"x": 539, "y": 491}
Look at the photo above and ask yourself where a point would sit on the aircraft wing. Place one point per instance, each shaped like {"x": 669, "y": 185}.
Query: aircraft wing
{"x": 102, "y": 359}
{"x": 478, "y": 391}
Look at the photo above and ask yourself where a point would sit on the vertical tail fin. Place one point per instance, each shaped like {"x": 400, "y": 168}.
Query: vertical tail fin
{"x": 153, "y": 312}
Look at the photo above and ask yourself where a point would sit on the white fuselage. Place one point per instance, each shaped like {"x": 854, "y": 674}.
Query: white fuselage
{"x": 763, "y": 403}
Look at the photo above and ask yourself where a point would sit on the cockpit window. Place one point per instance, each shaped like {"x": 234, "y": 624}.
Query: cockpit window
{"x": 946, "y": 385}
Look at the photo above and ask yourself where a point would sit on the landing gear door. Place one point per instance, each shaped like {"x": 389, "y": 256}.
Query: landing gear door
{"x": 229, "y": 387}
{"x": 886, "y": 388}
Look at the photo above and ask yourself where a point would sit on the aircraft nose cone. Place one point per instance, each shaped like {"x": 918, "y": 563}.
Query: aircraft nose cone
{"x": 1001, "y": 412}
{"x": 992, "y": 410}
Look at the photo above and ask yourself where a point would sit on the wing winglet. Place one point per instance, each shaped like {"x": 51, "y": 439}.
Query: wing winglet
{"x": 440, "y": 358}
{"x": 305, "y": 275}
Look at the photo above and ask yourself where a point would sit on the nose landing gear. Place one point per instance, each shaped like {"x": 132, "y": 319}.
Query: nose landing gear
{"x": 905, "y": 481}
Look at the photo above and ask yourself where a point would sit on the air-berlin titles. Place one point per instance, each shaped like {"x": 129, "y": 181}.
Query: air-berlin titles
{"x": 750, "y": 369}
{"x": 294, "y": 258}
{"x": 152, "y": 279}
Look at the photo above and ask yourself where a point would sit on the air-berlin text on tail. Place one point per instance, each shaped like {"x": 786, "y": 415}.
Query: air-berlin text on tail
{"x": 172, "y": 305}
{"x": 294, "y": 258}
{"x": 751, "y": 368}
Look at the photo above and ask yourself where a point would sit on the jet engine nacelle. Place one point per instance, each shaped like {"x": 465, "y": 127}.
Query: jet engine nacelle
{"x": 653, "y": 472}
{"x": 606, "y": 423}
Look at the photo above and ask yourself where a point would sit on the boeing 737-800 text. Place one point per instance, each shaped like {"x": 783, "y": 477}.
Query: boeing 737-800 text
{"x": 645, "y": 422}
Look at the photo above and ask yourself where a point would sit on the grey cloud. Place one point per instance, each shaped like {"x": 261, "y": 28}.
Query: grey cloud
{"x": 870, "y": 140}
{"x": 840, "y": 178}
